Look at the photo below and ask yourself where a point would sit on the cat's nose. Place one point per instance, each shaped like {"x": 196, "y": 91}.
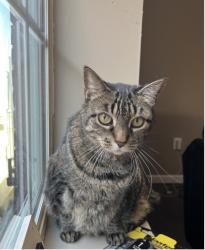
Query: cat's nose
{"x": 121, "y": 143}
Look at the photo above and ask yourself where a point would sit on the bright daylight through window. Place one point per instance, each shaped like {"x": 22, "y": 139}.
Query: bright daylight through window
{"x": 23, "y": 112}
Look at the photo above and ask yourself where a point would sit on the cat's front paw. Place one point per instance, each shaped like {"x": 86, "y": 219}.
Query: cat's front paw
{"x": 70, "y": 236}
{"x": 115, "y": 239}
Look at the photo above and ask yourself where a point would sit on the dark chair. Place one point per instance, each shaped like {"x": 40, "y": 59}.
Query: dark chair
{"x": 193, "y": 170}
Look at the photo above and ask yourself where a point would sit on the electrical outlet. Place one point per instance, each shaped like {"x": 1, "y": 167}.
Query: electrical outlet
{"x": 177, "y": 143}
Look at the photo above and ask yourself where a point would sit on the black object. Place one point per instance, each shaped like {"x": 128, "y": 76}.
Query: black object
{"x": 141, "y": 244}
{"x": 193, "y": 170}
{"x": 39, "y": 245}
{"x": 134, "y": 244}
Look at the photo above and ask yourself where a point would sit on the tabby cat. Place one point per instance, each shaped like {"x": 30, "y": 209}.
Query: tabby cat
{"x": 95, "y": 184}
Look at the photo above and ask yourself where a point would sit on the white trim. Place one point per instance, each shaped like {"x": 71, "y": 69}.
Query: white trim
{"x": 42, "y": 224}
{"x": 14, "y": 227}
{"x": 39, "y": 210}
{"x": 51, "y": 104}
{"x": 140, "y": 24}
{"x": 167, "y": 179}
{"x": 40, "y": 216}
{"x": 28, "y": 236}
{"x": 47, "y": 77}
{"x": 22, "y": 233}
{"x": 24, "y": 229}
{"x": 27, "y": 97}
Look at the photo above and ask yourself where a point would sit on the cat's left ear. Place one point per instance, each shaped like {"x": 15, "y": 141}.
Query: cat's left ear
{"x": 94, "y": 85}
{"x": 150, "y": 91}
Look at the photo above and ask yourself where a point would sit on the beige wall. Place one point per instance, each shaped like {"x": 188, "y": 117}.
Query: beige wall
{"x": 105, "y": 35}
{"x": 172, "y": 46}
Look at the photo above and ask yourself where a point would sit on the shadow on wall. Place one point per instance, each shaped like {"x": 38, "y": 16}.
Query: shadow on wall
{"x": 68, "y": 93}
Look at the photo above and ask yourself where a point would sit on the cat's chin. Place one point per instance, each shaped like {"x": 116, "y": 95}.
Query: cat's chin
{"x": 119, "y": 152}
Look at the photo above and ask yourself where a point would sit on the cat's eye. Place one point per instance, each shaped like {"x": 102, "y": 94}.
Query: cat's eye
{"x": 105, "y": 119}
{"x": 137, "y": 122}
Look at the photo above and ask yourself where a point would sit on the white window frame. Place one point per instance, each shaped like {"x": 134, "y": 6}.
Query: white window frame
{"x": 32, "y": 229}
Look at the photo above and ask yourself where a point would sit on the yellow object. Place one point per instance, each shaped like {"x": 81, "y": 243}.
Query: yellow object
{"x": 137, "y": 234}
{"x": 163, "y": 242}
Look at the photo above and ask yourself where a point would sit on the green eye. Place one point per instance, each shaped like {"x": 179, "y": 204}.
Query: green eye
{"x": 105, "y": 119}
{"x": 137, "y": 122}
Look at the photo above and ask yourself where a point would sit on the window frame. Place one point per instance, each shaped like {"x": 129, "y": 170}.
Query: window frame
{"x": 37, "y": 220}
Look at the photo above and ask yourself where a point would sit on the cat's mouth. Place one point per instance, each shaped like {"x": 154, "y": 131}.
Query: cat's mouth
{"x": 117, "y": 150}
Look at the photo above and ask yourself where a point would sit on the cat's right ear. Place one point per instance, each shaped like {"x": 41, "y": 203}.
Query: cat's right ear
{"x": 94, "y": 85}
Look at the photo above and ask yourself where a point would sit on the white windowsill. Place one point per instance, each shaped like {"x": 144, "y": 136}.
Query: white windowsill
{"x": 32, "y": 229}
{"x": 53, "y": 241}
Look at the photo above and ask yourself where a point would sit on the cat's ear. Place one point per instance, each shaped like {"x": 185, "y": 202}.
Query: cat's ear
{"x": 150, "y": 91}
{"x": 94, "y": 85}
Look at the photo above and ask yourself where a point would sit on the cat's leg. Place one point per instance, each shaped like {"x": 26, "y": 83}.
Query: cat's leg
{"x": 55, "y": 186}
{"x": 59, "y": 198}
{"x": 120, "y": 225}
{"x": 115, "y": 234}
{"x": 68, "y": 233}
{"x": 142, "y": 209}
{"x": 61, "y": 208}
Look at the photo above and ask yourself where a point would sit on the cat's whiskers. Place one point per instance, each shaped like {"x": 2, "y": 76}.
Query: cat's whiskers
{"x": 104, "y": 155}
{"x": 150, "y": 174}
{"x": 92, "y": 157}
{"x": 146, "y": 147}
{"x": 137, "y": 161}
{"x": 141, "y": 168}
{"x": 87, "y": 152}
{"x": 157, "y": 164}
{"x": 89, "y": 160}
{"x": 136, "y": 169}
{"x": 133, "y": 169}
{"x": 155, "y": 169}
{"x": 96, "y": 161}
{"x": 139, "y": 172}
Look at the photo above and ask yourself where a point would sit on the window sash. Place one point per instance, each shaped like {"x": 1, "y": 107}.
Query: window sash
{"x": 17, "y": 220}
{"x": 23, "y": 13}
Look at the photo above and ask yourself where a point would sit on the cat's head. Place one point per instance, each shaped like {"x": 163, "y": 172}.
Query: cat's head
{"x": 117, "y": 116}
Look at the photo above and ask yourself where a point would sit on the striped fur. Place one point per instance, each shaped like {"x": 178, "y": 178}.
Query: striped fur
{"x": 93, "y": 185}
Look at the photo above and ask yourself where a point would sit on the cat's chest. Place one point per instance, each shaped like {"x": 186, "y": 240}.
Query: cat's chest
{"x": 93, "y": 212}
{"x": 95, "y": 195}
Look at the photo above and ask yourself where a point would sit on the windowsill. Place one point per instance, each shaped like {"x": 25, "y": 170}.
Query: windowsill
{"x": 52, "y": 239}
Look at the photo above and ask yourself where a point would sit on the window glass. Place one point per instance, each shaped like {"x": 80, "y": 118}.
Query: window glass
{"x": 36, "y": 85}
{"x": 13, "y": 152}
{"x": 20, "y": 2}
{"x": 18, "y": 59}
{"x": 6, "y": 122}
{"x": 23, "y": 122}
{"x": 36, "y": 10}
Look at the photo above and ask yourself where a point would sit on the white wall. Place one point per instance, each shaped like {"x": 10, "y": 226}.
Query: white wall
{"x": 103, "y": 34}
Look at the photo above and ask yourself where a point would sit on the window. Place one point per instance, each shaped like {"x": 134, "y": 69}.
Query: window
{"x": 23, "y": 112}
